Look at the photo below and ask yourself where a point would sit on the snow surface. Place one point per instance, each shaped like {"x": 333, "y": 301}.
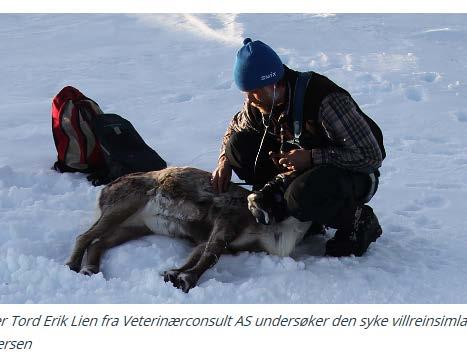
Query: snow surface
{"x": 171, "y": 76}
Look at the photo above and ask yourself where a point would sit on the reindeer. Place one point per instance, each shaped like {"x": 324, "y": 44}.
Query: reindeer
{"x": 180, "y": 203}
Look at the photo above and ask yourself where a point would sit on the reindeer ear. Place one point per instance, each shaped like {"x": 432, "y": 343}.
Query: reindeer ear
{"x": 259, "y": 208}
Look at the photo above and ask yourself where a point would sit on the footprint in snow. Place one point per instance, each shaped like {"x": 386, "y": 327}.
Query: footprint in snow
{"x": 368, "y": 77}
{"x": 425, "y": 222}
{"x": 432, "y": 202}
{"x": 419, "y": 205}
{"x": 411, "y": 208}
{"x": 430, "y": 76}
{"x": 415, "y": 94}
{"x": 397, "y": 231}
{"x": 177, "y": 98}
{"x": 460, "y": 161}
{"x": 433, "y": 185}
{"x": 460, "y": 116}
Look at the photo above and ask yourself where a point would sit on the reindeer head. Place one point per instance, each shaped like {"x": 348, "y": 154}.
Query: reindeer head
{"x": 268, "y": 205}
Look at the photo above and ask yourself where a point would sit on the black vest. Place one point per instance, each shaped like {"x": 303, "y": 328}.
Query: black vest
{"x": 319, "y": 87}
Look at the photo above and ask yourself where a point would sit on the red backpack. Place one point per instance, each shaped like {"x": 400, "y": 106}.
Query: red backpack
{"x": 72, "y": 127}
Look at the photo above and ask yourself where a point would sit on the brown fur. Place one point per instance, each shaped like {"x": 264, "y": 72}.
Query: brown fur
{"x": 180, "y": 202}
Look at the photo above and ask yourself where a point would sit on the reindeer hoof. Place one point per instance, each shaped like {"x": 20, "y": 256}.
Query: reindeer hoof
{"x": 73, "y": 266}
{"x": 186, "y": 281}
{"x": 170, "y": 276}
{"x": 180, "y": 280}
{"x": 89, "y": 270}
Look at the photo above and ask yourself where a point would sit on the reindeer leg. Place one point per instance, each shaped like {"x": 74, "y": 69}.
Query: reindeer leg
{"x": 188, "y": 279}
{"x": 114, "y": 238}
{"x": 84, "y": 240}
{"x": 110, "y": 219}
{"x": 223, "y": 233}
{"x": 172, "y": 274}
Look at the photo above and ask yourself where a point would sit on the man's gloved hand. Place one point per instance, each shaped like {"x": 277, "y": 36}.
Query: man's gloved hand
{"x": 268, "y": 205}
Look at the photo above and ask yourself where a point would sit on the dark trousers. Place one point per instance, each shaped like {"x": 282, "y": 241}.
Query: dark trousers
{"x": 323, "y": 194}
{"x": 328, "y": 195}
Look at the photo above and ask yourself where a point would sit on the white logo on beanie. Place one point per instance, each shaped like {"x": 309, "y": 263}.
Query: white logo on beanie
{"x": 268, "y": 76}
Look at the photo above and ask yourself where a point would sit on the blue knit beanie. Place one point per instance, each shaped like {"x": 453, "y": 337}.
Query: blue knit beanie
{"x": 256, "y": 66}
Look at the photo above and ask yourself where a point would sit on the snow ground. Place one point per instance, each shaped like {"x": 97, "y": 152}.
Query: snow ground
{"x": 171, "y": 76}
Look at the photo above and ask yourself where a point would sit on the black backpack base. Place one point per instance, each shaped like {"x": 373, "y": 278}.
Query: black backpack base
{"x": 123, "y": 149}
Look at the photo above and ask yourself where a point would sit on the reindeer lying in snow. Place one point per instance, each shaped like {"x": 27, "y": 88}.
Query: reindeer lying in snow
{"x": 180, "y": 202}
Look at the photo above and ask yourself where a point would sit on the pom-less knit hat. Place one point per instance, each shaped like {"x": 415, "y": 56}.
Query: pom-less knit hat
{"x": 256, "y": 66}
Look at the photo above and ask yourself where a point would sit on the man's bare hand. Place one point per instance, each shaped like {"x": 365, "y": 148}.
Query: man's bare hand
{"x": 296, "y": 160}
{"x": 221, "y": 176}
{"x": 275, "y": 158}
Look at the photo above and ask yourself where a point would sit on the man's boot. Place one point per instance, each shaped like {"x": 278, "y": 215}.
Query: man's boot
{"x": 366, "y": 229}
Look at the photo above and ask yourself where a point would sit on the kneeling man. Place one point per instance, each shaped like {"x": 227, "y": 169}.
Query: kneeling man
{"x": 306, "y": 147}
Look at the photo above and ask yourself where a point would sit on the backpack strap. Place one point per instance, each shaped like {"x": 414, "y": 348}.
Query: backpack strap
{"x": 301, "y": 85}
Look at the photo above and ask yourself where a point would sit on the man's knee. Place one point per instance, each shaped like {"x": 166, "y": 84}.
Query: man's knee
{"x": 302, "y": 199}
{"x": 317, "y": 195}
